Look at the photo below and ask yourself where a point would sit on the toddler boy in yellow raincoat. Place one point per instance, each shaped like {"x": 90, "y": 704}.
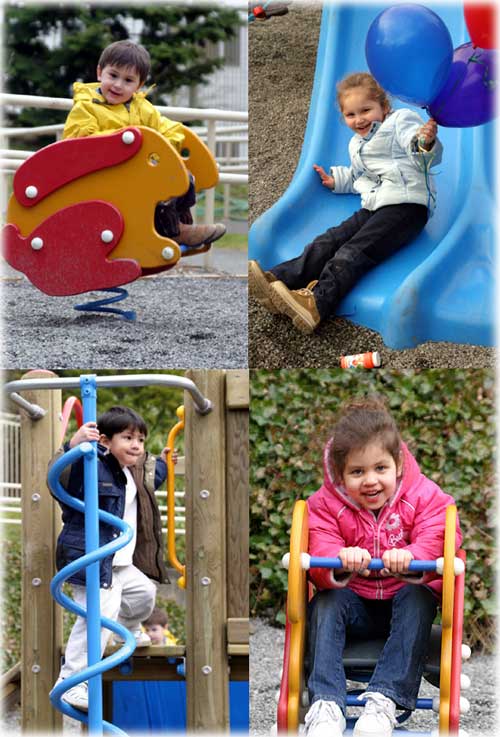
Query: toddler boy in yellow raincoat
{"x": 115, "y": 101}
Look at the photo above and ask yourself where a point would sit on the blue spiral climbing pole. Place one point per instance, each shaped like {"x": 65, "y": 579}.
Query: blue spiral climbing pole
{"x": 90, "y": 561}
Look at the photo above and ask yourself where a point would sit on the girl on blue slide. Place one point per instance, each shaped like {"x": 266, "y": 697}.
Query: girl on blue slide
{"x": 391, "y": 154}
{"x": 374, "y": 502}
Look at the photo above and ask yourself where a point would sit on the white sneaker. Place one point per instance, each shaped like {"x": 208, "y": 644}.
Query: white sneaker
{"x": 378, "y": 717}
{"x": 78, "y": 696}
{"x": 141, "y": 639}
{"x": 324, "y": 719}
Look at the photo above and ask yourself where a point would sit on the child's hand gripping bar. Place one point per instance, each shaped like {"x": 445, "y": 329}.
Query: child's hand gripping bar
{"x": 376, "y": 564}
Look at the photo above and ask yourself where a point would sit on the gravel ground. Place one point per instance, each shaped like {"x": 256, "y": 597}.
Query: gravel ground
{"x": 282, "y": 60}
{"x": 266, "y": 652}
{"x": 188, "y": 319}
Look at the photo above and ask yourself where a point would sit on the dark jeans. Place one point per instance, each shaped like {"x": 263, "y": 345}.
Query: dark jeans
{"x": 169, "y": 214}
{"x": 405, "y": 621}
{"x": 340, "y": 256}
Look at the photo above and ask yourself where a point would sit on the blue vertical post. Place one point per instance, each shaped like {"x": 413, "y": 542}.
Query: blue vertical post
{"x": 89, "y": 404}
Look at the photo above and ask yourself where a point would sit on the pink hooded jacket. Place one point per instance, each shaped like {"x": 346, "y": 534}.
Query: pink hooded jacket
{"x": 414, "y": 519}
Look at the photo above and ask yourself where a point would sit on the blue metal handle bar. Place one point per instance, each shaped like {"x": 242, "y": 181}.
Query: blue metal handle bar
{"x": 375, "y": 564}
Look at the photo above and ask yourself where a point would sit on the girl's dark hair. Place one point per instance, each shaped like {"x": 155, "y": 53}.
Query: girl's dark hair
{"x": 157, "y": 616}
{"x": 362, "y": 421}
{"x": 363, "y": 79}
{"x": 117, "y": 419}
{"x": 127, "y": 54}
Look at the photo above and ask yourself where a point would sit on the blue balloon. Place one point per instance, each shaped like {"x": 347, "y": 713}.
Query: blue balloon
{"x": 409, "y": 52}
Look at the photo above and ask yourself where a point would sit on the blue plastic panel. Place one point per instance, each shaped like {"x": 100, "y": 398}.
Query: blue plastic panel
{"x": 153, "y": 706}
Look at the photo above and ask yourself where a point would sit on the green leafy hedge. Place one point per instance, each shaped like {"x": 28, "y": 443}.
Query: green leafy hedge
{"x": 445, "y": 416}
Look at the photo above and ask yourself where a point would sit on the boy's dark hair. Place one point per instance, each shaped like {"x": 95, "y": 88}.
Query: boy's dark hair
{"x": 127, "y": 54}
{"x": 360, "y": 422}
{"x": 157, "y": 616}
{"x": 117, "y": 419}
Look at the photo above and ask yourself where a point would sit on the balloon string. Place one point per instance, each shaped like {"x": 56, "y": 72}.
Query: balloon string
{"x": 489, "y": 83}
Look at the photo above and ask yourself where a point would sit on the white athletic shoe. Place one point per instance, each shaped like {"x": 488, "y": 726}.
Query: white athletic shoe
{"x": 324, "y": 719}
{"x": 78, "y": 696}
{"x": 378, "y": 717}
{"x": 141, "y": 639}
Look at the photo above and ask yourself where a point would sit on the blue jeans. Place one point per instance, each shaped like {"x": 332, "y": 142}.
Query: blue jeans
{"x": 405, "y": 621}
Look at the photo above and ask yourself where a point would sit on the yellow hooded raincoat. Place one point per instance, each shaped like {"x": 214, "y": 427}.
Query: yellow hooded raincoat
{"x": 91, "y": 115}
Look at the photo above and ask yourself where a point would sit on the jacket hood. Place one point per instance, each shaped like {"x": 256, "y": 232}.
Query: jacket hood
{"x": 410, "y": 473}
{"x": 89, "y": 92}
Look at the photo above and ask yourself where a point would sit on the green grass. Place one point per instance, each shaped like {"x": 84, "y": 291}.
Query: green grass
{"x": 233, "y": 241}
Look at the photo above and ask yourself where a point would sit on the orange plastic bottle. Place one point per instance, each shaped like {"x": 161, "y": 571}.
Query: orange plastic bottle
{"x": 361, "y": 360}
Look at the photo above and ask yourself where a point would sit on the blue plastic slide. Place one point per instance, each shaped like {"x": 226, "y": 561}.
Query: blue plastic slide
{"x": 439, "y": 287}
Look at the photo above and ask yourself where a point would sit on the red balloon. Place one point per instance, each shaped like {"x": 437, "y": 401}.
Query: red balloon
{"x": 481, "y": 24}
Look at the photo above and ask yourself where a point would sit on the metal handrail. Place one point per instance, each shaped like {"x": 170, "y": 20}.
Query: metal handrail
{"x": 175, "y": 113}
{"x": 202, "y": 404}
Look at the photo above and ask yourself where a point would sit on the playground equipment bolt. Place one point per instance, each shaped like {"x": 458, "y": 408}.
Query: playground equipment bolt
{"x": 35, "y": 668}
{"x": 206, "y": 670}
{"x": 167, "y": 253}
{"x": 35, "y": 497}
{"x": 36, "y": 244}
{"x": 31, "y": 192}
{"x": 107, "y": 236}
{"x": 204, "y": 493}
{"x": 205, "y": 581}
{"x": 36, "y": 581}
{"x": 128, "y": 137}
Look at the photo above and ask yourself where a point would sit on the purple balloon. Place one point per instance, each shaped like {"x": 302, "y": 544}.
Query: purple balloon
{"x": 468, "y": 96}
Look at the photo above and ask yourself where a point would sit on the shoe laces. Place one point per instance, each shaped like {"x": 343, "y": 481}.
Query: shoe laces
{"x": 379, "y": 706}
{"x": 79, "y": 686}
{"x": 307, "y": 291}
{"x": 326, "y": 711}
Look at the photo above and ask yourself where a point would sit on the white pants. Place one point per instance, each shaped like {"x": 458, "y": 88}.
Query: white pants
{"x": 129, "y": 601}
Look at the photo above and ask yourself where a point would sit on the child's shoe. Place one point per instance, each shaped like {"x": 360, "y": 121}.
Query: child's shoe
{"x": 78, "y": 696}
{"x": 298, "y": 304}
{"x": 258, "y": 284}
{"x": 199, "y": 235}
{"x": 142, "y": 639}
{"x": 324, "y": 719}
{"x": 378, "y": 717}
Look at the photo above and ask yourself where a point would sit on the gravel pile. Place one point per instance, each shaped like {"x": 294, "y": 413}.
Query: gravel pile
{"x": 282, "y": 58}
{"x": 183, "y": 320}
{"x": 266, "y": 653}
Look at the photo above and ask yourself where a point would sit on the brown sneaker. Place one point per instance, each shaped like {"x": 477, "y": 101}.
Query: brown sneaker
{"x": 259, "y": 283}
{"x": 297, "y": 304}
{"x": 197, "y": 235}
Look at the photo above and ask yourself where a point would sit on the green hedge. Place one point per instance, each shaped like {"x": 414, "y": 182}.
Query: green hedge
{"x": 445, "y": 416}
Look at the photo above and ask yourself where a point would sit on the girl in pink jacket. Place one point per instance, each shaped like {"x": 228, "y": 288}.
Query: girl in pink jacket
{"x": 374, "y": 502}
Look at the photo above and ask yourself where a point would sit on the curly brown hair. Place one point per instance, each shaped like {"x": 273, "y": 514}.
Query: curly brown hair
{"x": 362, "y": 421}
{"x": 363, "y": 79}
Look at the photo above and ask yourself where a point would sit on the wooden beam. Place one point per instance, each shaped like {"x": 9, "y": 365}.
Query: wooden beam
{"x": 237, "y": 503}
{"x": 206, "y": 651}
{"x": 41, "y": 616}
{"x": 237, "y": 389}
{"x": 237, "y": 631}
